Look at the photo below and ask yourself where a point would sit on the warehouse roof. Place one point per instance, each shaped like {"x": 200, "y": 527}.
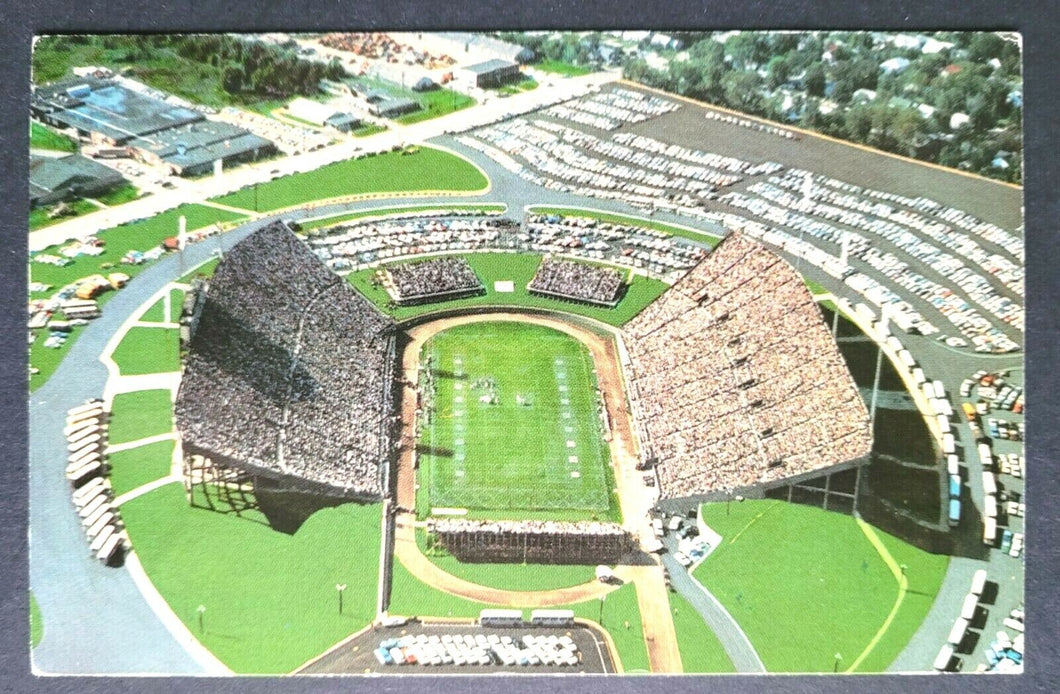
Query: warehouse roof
{"x": 200, "y": 143}
{"x": 489, "y": 66}
{"x": 109, "y": 108}
{"x": 48, "y": 174}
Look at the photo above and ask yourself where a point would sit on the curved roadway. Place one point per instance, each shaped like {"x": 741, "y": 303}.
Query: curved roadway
{"x": 97, "y": 621}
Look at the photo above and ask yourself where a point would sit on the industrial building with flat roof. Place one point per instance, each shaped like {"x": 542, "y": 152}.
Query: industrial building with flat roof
{"x": 106, "y": 111}
{"x": 491, "y": 73}
{"x": 179, "y": 138}
{"x": 192, "y": 149}
{"x": 52, "y": 179}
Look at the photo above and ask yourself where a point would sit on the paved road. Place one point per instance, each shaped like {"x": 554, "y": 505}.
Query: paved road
{"x": 736, "y": 644}
{"x": 125, "y": 636}
{"x": 261, "y": 172}
{"x": 95, "y": 618}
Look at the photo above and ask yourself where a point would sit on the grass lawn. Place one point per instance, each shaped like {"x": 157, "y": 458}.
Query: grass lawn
{"x": 509, "y": 576}
{"x": 814, "y": 287}
{"x": 123, "y": 193}
{"x": 518, "y": 268}
{"x": 205, "y": 270}
{"x": 142, "y": 235}
{"x": 524, "y": 85}
{"x": 332, "y": 220}
{"x": 559, "y": 67}
{"x": 410, "y": 596}
{"x": 38, "y": 216}
{"x": 176, "y": 304}
{"x": 368, "y": 129}
{"x": 43, "y": 137}
{"x": 701, "y": 236}
{"x": 148, "y": 350}
{"x": 140, "y": 414}
{"x": 270, "y": 597}
{"x": 155, "y": 314}
{"x": 805, "y": 584}
{"x": 36, "y": 624}
{"x": 390, "y": 172}
{"x": 701, "y": 652}
{"x": 437, "y": 102}
{"x": 514, "y": 452}
{"x": 137, "y": 466}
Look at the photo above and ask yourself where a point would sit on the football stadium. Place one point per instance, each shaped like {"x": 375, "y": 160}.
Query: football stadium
{"x": 617, "y": 383}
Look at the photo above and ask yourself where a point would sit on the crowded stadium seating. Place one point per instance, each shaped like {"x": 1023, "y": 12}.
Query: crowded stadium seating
{"x": 287, "y": 374}
{"x": 567, "y": 279}
{"x": 432, "y": 280}
{"x": 736, "y": 380}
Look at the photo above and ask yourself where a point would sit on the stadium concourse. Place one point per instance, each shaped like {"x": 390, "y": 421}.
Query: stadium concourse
{"x": 59, "y": 576}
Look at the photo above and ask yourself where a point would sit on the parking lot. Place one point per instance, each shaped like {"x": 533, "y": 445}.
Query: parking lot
{"x": 358, "y": 657}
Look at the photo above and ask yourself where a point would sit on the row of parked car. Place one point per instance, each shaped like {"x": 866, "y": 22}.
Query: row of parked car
{"x": 478, "y": 649}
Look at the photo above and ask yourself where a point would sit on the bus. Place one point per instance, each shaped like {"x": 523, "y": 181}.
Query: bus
{"x": 955, "y": 487}
{"x": 500, "y": 618}
{"x": 955, "y": 513}
{"x": 989, "y": 531}
{"x": 552, "y": 618}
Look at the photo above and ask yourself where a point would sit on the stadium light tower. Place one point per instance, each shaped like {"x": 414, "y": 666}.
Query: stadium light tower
{"x": 838, "y": 657}
{"x": 341, "y": 588}
{"x": 884, "y": 316}
{"x": 600, "y": 619}
{"x": 201, "y": 609}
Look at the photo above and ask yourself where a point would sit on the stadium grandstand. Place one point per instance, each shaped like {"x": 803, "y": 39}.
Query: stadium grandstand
{"x": 426, "y": 281}
{"x": 737, "y": 381}
{"x": 567, "y": 279}
{"x": 288, "y": 376}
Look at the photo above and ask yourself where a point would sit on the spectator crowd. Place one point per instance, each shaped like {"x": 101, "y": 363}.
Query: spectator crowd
{"x": 288, "y": 373}
{"x": 435, "y": 279}
{"x": 576, "y": 281}
{"x": 735, "y": 379}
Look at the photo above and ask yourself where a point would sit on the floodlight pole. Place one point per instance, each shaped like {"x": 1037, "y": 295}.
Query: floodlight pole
{"x": 838, "y": 657}
{"x": 340, "y": 587}
{"x": 875, "y": 386}
{"x": 201, "y": 609}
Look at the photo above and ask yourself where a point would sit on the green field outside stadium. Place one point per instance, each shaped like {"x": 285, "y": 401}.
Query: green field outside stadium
{"x": 513, "y": 423}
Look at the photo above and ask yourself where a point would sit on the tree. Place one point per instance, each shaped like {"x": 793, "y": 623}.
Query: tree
{"x": 778, "y": 72}
{"x": 742, "y": 91}
{"x": 814, "y": 80}
{"x": 232, "y": 79}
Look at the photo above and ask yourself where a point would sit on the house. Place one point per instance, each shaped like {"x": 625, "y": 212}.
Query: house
{"x": 894, "y": 66}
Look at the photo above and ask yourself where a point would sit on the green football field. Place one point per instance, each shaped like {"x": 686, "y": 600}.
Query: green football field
{"x": 513, "y": 421}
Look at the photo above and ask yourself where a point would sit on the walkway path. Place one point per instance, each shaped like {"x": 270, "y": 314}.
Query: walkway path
{"x": 733, "y": 639}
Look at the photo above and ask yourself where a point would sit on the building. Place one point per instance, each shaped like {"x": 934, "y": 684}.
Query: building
{"x": 53, "y": 179}
{"x": 322, "y": 115}
{"x": 105, "y": 111}
{"x": 108, "y": 112}
{"x": 492, "y": 73}
{"x": 192, "y": 149}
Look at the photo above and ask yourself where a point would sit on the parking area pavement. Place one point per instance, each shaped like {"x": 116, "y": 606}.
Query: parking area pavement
{"x": 357, "y": 656}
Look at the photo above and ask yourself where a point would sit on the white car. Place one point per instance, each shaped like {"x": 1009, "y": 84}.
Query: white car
{"x": 682, "y": 559}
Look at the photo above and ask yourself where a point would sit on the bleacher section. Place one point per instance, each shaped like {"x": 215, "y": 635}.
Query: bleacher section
{"x": 567, "y": 279}
{"x": 288, "y": 372}
{"x": 736, "y": 380}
